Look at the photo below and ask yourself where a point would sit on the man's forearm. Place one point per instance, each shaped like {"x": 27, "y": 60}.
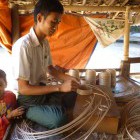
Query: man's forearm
{"x": 38, "y": 90}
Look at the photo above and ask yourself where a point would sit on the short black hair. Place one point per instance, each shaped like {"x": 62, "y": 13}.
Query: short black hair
{"x": 2, "y": 74}
{"x": 46, "y": 6}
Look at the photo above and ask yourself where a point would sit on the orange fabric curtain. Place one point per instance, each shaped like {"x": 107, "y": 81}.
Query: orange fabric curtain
{"x": 5, "y": 25}
{"x": 73, "y": 43}
{"x": 71, "y": 46}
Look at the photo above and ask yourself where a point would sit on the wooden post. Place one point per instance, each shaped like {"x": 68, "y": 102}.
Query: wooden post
{"x": 126, "y": 34}
{"x": 15, "y": 22}
{"x": 125, "y": 66}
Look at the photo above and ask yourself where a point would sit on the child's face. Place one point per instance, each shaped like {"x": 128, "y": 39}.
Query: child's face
{"x": 2, "y": 86}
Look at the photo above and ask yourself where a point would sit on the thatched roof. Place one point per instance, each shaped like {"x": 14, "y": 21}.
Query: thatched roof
{"x": 112, "y": 8}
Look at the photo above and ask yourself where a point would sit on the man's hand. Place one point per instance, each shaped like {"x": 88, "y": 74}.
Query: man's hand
{"x": 69, "y": 85}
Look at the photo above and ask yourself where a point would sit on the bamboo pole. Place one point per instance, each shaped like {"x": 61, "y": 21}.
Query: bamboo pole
{"x": 126, "y": 34}
{"x": 79, "y": 8}
{"x": 115, "y": 15}
{"x": 99, "y": 8}
{"x": 125, "y": 65}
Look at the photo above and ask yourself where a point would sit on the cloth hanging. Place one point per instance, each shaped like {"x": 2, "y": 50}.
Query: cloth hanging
{"x": 106, "y": 31}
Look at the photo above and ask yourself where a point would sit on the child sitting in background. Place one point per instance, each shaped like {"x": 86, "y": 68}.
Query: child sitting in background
{"x": 7, "y": 105}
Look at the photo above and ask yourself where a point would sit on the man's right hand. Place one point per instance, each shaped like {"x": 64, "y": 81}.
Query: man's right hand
{"x": 69, "y": 85}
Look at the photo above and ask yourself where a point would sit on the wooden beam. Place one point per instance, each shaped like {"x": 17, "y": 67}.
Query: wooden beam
{"x": 15, "y": 23}
{"x": 134, "y": 60}
{"x": 136, "y": 74}
{"x": 99, "y": 8}
{"x": 115, "y": 15}
{"x": 76, "y": 8}
{"x": 94, "y": 8}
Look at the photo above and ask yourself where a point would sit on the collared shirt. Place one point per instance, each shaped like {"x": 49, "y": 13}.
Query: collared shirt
{"x": 30, "y": 58}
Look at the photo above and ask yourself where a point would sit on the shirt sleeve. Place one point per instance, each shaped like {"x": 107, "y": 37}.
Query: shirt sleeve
{"x": 21, "y": 61}
{"x": 4, "y": 122}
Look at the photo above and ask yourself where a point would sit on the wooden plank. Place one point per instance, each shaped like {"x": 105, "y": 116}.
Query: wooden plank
{"x": 136, "y": 73}
{"x": 134, "y": 60}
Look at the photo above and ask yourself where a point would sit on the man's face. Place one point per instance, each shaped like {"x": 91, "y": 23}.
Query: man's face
{"x": 49, "y": 25}
{"x": 2, "y": 86}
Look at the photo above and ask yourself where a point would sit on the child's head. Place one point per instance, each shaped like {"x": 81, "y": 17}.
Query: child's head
{"x": 3, "y": 82}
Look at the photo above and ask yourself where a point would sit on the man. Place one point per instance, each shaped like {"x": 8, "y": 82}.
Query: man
{"x": 32, "y": 60}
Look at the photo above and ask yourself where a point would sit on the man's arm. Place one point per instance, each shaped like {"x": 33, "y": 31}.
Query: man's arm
{"x": 26, "y": 89}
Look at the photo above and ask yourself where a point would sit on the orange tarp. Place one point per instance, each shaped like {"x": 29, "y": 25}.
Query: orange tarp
{"x": 71, "y": 46}
{"x": 5, "y": 25}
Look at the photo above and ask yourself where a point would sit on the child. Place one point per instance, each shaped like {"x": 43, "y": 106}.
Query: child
{"x": 7, "y": 105}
